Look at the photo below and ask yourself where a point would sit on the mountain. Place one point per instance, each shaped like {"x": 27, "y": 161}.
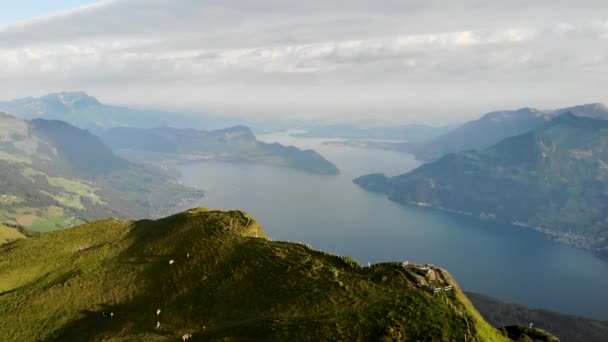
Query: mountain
{"x": 592, "y": 110}
{"x": 235, "y": 144}
{"x": 568, "y": 328}
{"x": 83, "y": 154}
{"x": 213, "y": 275}
{"x": 554, "y": 179}
{"x": 496, "y": 126}
{"x": 409, "y": 133}
{"x": 54, "y": 175}
{"x": 477, "y": 134}
{"x": 85, "y": 111}
{"x": 483, "y": 132}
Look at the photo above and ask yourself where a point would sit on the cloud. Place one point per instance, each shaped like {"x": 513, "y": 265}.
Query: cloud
{"x": 390, "y": 60}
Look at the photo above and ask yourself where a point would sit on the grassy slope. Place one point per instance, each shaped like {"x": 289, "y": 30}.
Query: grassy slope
{"x": 9, "y": 234}
{"x": 56, "y": 285}
{"x": 53, "y": 176}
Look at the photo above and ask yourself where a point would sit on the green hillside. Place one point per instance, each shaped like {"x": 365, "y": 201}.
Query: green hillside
{"x": 8, "y": 234}
{"x": 554, "y": 179}
{"x": 226, "y": 282}
{"x": 54, "y": 175}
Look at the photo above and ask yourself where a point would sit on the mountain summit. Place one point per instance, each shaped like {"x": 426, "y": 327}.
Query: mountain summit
{"x": 211, "y": 274}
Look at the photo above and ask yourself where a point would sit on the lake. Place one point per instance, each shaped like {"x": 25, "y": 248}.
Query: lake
{"x": 331, "y": 213}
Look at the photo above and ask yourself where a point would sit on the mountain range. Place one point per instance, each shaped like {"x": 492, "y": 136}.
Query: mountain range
{"x": 236, "y": 144}
{"x": 476, "y": 134}
{"x": 87, "y": 112}
{"x": 553, "y": 179}
{"x": 156, "y": 137}
{"x": 212, "y": 275}
{"x": 496, "y": 126}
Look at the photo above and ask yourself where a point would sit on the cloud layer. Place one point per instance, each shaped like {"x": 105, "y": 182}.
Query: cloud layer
{"x": 356, "y": 60}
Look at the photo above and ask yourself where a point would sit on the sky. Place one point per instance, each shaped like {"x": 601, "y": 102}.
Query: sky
{"x": 13, "y": 11}
{"x": 367, "y": 61}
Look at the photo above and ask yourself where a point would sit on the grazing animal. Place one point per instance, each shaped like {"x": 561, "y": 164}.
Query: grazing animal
{"x": 105, "y": 314}
{"x": 171, "y": 262}
{"x": 187, "y": 255}
{"x": 157, "y": 325}
{"x": 111, "y": 315}
{"x": 186, "y": 337}
{"x": 157, "y": 312}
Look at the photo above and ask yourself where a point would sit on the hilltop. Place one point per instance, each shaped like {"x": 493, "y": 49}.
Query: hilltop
{"x": 213, "y": 274}
{"x": 553, "y": 179}
{"x": 235, "y": 144}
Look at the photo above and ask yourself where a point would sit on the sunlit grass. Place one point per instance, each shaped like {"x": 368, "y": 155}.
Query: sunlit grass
{"x": 227, "y": 281}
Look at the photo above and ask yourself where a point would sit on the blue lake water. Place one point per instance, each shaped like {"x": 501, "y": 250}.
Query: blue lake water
{"x": 332, "y": 214}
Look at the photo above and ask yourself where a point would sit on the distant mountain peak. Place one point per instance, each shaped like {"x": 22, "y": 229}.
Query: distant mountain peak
{"x": 499, "y": 117}
{"x": 71, "y": 99}
{"x": 596, "y": 105}
{"x": 571, "y": 119}
{"x": 593, "y": 110}
{"x": 236, "y": 133}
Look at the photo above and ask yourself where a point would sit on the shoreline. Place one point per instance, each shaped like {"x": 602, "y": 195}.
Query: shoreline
{"x": 568, "y": 238}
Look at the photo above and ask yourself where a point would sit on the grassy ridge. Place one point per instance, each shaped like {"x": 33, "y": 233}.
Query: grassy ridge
{"x": 227, "y": 281}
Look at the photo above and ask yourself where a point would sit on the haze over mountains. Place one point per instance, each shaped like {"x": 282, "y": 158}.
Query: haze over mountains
{"x": 495, "y": 126}
{"x": 480, "y": 133}
{"x": 85, "y": 111}
{"x": 410, "y": 133}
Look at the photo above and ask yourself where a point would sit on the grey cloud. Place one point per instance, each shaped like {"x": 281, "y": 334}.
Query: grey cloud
{"x": 333, "y": 60}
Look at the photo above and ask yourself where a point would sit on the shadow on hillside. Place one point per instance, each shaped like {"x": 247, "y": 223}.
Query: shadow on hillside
{"x": 90, "y": 326}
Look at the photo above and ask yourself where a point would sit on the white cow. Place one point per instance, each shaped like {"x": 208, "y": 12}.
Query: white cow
{"x": 171, "y": 262}
{"x": 186, "y": 337}
{"x": 157, "y": 312}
